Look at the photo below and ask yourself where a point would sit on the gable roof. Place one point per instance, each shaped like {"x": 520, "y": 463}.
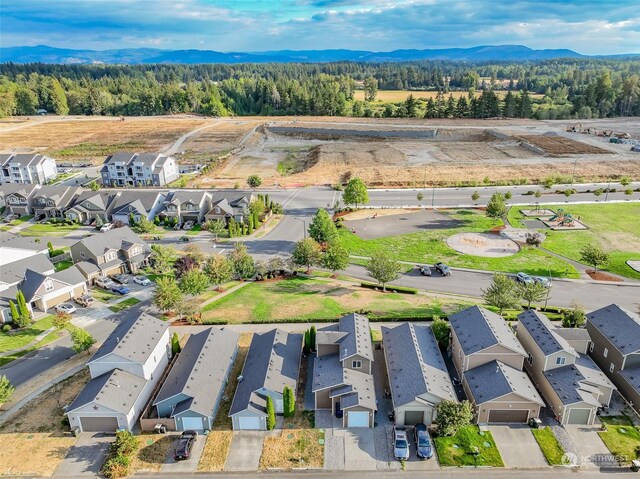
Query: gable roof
{"x": 117, "y": 390}
{"x": 15, "y": 272}
{"x": 359, "y": 391}
{"x": 357, "y": 341}
{"x": 574, "y": 383}
{"x": 619, "y": 325}
{"x": 495, "y": 379}
{"x": 272, "y": 362}
{"x": 133, "y": 339}
{"x": 9, "y": 240}
{"x": 32, "y": 282}
{"x": 415, "y": 364}
{"x": 141, "y": 200}
{"x": 22, "y": 189}
{"x": 200, "y": 371}
{"x": 101, "y": 199}
{"x": 232, "y": 198}
{"x": 116, "y": 238}
{"x": 179, "y": 197}
{"x": 25, "y": 159}
{"x": 59, "y": 194}
{"x": 632, "y": 376}
{"x": 71, "y": 275}
{"x": 543, "y": 333}
{"x": 478, "y": 328}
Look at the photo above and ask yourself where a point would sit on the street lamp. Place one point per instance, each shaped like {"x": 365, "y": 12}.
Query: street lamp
{"x": 607, "y": 193}
{"x": 304, "y": 224}
{"x": 573, "y": 174}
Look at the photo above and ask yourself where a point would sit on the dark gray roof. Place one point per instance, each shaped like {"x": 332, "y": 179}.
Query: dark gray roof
{"x": 21, "y": 189}
{"x": 327, "y": 372}
{"x": 62, "y": 196}
{"x": 32, "y": 282}
{"x": 573, "y": 334}
{"x": 414, "y": 364}
{"x": 357, "y": 341}
{"x": 15, "y": 272}
{"x": 117, "y": 390}
{"x": 232, "y": 198}
{"x": 273, "y": 362}
{"x": 115, "y": 238}
{"x": 478, "y": 329}
{"x": 87, "y": 267}
{"x": 362, "y": 393}
{"x": 619, "y": 325}
{"x": 200, "y": 371}
{"x": 495, "y": 379}
{"x": 355, "y": 388}
{"x": 574, "y": 383}
{"x": 632, "y": 376}
{"x": 26, "y": 159}
{"x": 543, "y": 333}
{"x": 9, "y": 240}
{"x": 134, "y": 339}
{"x": 185, "y": 196}
{"x": 71, "y": 275}
{"x": 141, "y": 200}
{"x": 148, "y": 159}
{"x": 101, "y": 199}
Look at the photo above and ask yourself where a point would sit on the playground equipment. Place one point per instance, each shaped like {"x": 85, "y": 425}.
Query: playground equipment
{"x": 567, "y": 220}
{"x": 559, "y": 216}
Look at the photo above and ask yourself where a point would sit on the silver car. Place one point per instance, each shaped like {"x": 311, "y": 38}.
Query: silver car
{"x": 400, "y": 444}
{"x": 65, "y": 308}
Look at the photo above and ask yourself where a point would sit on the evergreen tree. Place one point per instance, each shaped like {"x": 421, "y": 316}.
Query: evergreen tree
{"x": 509, "y": 108}
{"x": 289, "y": 402}
{"x": 496, "y": 207}
{"x": 523, "y": 105}
{"x": 322, "y": 228}
{"x": 503, "y": 293}
{"x": 271, "y": 414}
{"x": 175, "y": 344}
{"x": 23, "y": 309}
{"x": 15, "y": 315}
{"x": 312, "y": 338}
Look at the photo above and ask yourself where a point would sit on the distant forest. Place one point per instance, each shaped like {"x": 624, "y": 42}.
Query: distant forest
{"x": 553, "y": 89}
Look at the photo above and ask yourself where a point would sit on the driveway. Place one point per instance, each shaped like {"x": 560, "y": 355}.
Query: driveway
{"x": 591, "y": 450}
{"x": 359, "y": 449}
{"x": 517, "y": 446}
{"x": 86, "y": 456}
{"x": 245, "y": 451}
{"x": 191, "y": 465}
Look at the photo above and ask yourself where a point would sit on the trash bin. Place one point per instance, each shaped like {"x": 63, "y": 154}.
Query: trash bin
{"x": 635, "y": 465}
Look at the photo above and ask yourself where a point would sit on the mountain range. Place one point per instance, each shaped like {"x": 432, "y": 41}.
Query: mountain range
{"x": 47, "y": 54}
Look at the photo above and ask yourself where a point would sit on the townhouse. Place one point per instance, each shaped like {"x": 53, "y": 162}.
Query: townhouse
{"x": 184, "y": 205}
{"x": 90, "y": 205}
{"x": 27, "y": 168}
{"x": 228, "y": 205}
{"x": 342, "y": 379}
{"x": 139, "y": 169}
{"x": 53, "y": 201}
{"x": 136, "y": 205}
{"x": 18, "y": 198}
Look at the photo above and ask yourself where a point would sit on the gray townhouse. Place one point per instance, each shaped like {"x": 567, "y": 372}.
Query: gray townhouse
{"x": 18, "y": 198}
{"x": 138, "y": 204}
{"x": 139, "y": 169}
{"x": 615, "y": 347}
{"x": 27, "y": 168}
{"x": 572, "y": 384}
{"x": 272, "y": 362}
{"x": 342, "y": 371}
{"x": 193, "y": 389}
{"x": 226, "y": 205}
{"x": 489, "y": 360}
{"x": 54, "y": 201}
{"x": 418, "y": 376}
{"x": 90, "y": 205}
{"x": 185, "y": 205}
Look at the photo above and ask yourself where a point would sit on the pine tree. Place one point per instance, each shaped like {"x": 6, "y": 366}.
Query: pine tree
{"x": 15, "y": 315}
{"x": 312, "y": 338}
{"x": 175, "y": 344}
{"x": 25, "y": 314}
{"x": 50, "y": 247}
{"x": 306, "y": 342}
{"x": 289, "y": 402}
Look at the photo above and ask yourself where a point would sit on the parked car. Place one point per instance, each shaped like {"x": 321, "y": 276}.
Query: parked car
{"x": 546, "y": 282}
{"x": 423, "y": 442}
{"x": 120, "y": 278}
{"x": 106, "y": 227}
{"x": 187, "y": 225}
{"x": 84, "y": 300}
{"x": 443, "y": 269}
{"x": 65, "y": 308}
{"x": 185, "y": 444}
{"x": 177, "y": 226}
{"x": 10, "y": 218}
{"x": 104, "y": 282}
{"x": 185, "y": 239}
{"x": 400, "y": 444}
{"x": 425, "y": 270}
{"x": 121, "y": 289}
{"x": 142, "y": 280}
{"x": 524, "y": 278}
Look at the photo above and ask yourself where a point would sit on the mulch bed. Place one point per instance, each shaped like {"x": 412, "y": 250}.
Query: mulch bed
{"x": 601, "y": 276}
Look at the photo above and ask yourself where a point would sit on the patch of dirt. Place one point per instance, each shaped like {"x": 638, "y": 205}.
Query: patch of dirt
{"x": 36, "y": 454}
{"x": 560, "y": 145}
{"x": 602, "y": 276}
{"x": 294, "y": 448}
{"x": 216, "y": 450}
{"x": 619, "y": 241}
{"x": 152, "y": 452}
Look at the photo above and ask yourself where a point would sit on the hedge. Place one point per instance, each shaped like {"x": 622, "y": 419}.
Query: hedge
{"x": 393, "y": 289}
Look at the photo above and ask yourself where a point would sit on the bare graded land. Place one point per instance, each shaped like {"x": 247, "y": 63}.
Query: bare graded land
{"x": 406, "y": 152}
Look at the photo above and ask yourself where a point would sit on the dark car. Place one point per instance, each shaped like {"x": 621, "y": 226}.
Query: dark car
{"x": 423, "y": 443}
{"x": 121, "y": 289}
{"x": 425, "y": 270}
{"x": 120, "y": 278}
{"x": 185, "y": 444}
{"x": 185, "y": 239}
{"x": 443, "y": 269}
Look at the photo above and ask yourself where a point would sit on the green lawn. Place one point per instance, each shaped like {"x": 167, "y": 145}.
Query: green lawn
{"x": 122, "y": 305}
{"x": 430, "y": 246}
{"x": 104, "y": 295}
{"x": 549, "y": 445}
{"x": 614, "y": 227}
{"x": 46, "y": 340}
{"x": 212, "y": 293}
{"x": 303, "y": 299}
{"x": 62, "y": 265}
{"x": 456, "y": 450}
{"x": 621, "y": 438}
{"x": 16, "y": 222}
{"x": 47, "y": 229}
{"x": 22, "y": 337}
{"x": 195, "y": 230}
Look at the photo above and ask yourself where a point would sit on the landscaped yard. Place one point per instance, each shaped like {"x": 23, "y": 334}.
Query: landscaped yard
{"x": 456, "y": 450}
{"x": 152, "y": 452}
{"x": 306, "y": 299}
{"x": 22, "y": 337}
{"x": 614, "y": 227}
{"x": 216, "y": 450}
{"x": 549, "y": 445}
{"x": 62, "y": 265}
{"x": 122, "y": 305}
{"x": 621, "y": 437}
{"x": 429, "y": 246}
{"x": 103, "y": 295}
{"x": 48, "y": 229}
{"x": 212, "y": 293}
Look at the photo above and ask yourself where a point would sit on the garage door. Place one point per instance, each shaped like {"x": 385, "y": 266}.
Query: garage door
{"x": 249, "y": 423}
{"x": 279, "y": 406}
{"x": 579, "y": 416}
{"x": 192, "y": 423}
{"x": 508, "y": 415}
{"x": 99, "y": 424}
{"x": 413, "y": 417}
{"x": 358, "y": 419}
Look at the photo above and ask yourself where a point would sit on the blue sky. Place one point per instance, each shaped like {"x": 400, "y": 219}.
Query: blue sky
{"x": 587, "y": 26}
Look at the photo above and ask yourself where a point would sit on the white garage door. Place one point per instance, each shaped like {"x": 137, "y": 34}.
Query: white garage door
{"x": 579, "y": 416}
{"x": 358, "y": 419}
{"x": 99, "y": 424}
{"x": 192, "y": 423}
{"x": 279, "y": 406}
{"x": 249, "y": 422}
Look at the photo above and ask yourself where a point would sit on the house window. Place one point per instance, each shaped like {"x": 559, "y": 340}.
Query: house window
{"x": 611, "y": 368}
{"x": 530, "y": 359}
{"x": 561, "y": 360}
{"x": 356, "y": 364}
{"x": 605, "y": 352}
{"x": 110, "y": 256}
{"x": 48, "y": 285}
{"x": 591, "y": 344}
{"x": 82, "y": 255}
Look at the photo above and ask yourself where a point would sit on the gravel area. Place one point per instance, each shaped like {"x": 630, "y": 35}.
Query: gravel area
{"x": 333, "y": 451}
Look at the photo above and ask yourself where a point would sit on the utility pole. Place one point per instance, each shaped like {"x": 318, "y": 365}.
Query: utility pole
{"x": 607, "y": 194}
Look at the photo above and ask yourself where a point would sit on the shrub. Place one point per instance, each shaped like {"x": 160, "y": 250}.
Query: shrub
{"x": 6, "y": 328}
{"x": 394, "y": 289}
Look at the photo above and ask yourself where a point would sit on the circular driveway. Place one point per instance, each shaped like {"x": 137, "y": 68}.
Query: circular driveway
{"x": 483, "y": 244}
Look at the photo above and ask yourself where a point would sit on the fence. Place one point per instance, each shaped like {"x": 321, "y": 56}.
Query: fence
{"x": 61, "y": 257}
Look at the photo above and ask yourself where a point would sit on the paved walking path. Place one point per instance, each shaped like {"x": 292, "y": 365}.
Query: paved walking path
{"x": 37, "y": 339}
{"x": 225, "y": 293}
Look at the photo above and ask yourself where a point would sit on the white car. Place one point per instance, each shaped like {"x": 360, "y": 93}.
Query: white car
{"x": 142, "y": 280}
{"x": 187, "y": 225}
{"x": 66, "y": 308}
{"x": 104, "y": 283}
{"x": 106, "y": 227}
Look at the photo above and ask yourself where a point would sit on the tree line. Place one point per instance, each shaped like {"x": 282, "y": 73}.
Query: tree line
{"x": 573, "y": 88}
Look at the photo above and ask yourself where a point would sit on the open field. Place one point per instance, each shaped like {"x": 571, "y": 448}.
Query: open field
{"x": 613, "y": 227}
{"x": 299, "y": 299}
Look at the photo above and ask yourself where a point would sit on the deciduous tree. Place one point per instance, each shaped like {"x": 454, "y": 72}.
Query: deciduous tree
{"x": 6, "y": 389}
{"x": 452, "y": 415}
{"x": 219, "y": 269}
{"x": 82, "y": 340}
{"x": 503, "y": 293}
{"x": 441, "y": 329}
{"x": 167, "y": 294}
{"x": 194, "y": 282}
{"x": 335, "y": 257}
{"x": 496, "y": 207}
{"x": 355, "y": 193}
{"x": 383, "y": 268}
{"x": 534, "y": 292}
{"x": 594, "y": 256}
{"x": 322, "y": 228}
{"x": 242, "y": 263}
{"x": 307, "y": 252}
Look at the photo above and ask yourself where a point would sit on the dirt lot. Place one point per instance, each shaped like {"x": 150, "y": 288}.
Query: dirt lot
{"x": 561, "y": 146}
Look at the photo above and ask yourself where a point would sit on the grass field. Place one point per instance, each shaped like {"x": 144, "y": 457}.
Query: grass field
{"x": 302, "y": 299}
{"x": 22, "y": 337}
{"x": 395, "y": 96}
{"x": 614, "y": 227}
{"x": 467, "y": 438}
{"x": 429, "y": 246}
{"x": 62, "y": 265}
{"x": 56, "y": 229}
{"x": 549, "y": 445}
{"x": 621, "y": 437}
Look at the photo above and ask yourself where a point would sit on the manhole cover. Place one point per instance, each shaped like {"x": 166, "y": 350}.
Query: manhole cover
{"x": 290, "y": 436}
{"x": 486, "y": 444}
{"x": 321, "y": 442}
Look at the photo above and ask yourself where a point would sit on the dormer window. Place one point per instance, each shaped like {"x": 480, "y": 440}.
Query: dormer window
{"x": 48, "y": 285}
{"x": 357, "y": 364}
{"x": 561, "y": 361}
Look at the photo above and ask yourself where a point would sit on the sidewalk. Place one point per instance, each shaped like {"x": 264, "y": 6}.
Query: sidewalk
{"x": 222, "y": 295}
{"x": 37, "y": 339}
